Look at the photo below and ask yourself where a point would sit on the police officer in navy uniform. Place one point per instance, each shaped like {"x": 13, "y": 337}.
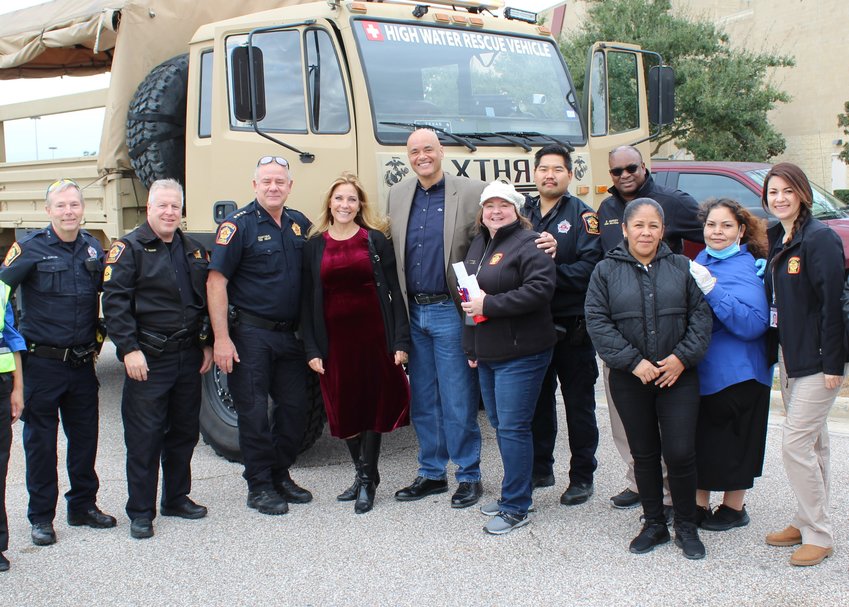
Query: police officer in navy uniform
{"x": 254, "y": 292}
{"x": 154, "y": 301}
{"x": 59, "y": 270}
{"x": 575, "y": 227}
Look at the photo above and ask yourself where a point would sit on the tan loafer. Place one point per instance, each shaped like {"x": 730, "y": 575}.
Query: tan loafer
{"x": 809, "y": 554}
{"x": 789, "y": 537}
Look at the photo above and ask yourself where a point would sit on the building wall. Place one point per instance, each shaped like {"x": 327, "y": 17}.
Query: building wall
{"x": 814, "y": 33}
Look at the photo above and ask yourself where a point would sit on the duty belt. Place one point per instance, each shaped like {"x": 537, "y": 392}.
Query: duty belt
{"x": 75, "y": 355}
{"x": 429, "y": 298}
{"x": 240, "y": 316}
{"x": 156, "y": 343}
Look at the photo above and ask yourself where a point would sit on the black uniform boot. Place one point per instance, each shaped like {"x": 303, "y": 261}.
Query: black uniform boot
{"x": 354, "y": 446}
{"x": 368, "y": 475}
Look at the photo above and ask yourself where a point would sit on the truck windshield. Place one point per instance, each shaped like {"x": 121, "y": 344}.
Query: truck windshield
{"x": 470, "y": 83}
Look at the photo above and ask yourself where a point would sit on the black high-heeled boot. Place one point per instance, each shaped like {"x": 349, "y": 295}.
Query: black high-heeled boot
{"x": 368, "y": 476}
{"x": 354, "y": 446}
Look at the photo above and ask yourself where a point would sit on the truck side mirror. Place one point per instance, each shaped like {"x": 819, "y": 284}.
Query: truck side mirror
{"x": 244, "y": 87}
{"x": 221, "y": 209}
{"x": 661, "y": 95}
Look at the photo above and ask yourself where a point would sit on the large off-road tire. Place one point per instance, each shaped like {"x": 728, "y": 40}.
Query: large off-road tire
{"x": 156, "y": 123}
{"x": 218, "y": 424}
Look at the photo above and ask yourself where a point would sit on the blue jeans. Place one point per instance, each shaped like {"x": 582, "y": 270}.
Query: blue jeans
{"x": 510, "y": 389}
{"x": 444, "y": 394}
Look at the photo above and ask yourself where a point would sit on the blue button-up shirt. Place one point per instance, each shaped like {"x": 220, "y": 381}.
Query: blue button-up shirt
{"x": 425, "y": 251}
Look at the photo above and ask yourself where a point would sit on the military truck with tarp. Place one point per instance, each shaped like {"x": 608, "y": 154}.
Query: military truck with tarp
{"x": 199, "y": 90}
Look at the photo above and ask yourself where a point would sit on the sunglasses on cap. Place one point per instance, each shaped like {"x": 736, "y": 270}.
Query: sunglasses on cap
{"x": 269, "y": 159}
{"x": 59, "y": 183}
{"x": 631, "y": 168}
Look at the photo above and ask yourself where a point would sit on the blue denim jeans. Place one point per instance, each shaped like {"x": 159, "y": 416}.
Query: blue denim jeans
{"x": 510, "y": 389}
{"x": 444, "y": 394}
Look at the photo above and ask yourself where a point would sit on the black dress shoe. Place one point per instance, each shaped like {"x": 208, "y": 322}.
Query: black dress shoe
{"x": 185, "y": 509}
{"x": 576, "y": 493}
{"x": 267, "y": 502}
{"x": 467, "y": 494}
{"x": 42, "y": 534}
{"x": 141, "y": 528}
{"x": 93, "y": 518}
{"x": 349, "y": 494}
{"x": 542, "y": 480}
{"x": 4, "y": 563}
{"x": 291, "y": 492}
{"x": 652, "y": 534}
{"x": 421, "y": 487}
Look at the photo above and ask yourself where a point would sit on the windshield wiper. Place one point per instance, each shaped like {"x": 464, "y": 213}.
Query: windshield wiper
{"x": 530, "y": 134}
{"x": 508, "y": 136}
{"x": 412, "y": 125}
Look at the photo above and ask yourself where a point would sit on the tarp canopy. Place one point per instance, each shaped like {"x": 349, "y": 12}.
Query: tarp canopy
{"x": 125, "y": 37}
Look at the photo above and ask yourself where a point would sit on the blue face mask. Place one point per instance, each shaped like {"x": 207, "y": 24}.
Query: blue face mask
{"x": 729, "y": 251}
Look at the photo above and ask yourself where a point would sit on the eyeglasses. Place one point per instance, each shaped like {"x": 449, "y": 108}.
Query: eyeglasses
{"x": 61, "y": 182}
{"x": 631, "y": 168}
{"x": 269, "y": 159}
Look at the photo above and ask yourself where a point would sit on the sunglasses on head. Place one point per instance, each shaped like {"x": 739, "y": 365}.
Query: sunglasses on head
{"x": 631, "y": 168}
{"x": 61, "y": 182}
{"x": 269, "y": 159}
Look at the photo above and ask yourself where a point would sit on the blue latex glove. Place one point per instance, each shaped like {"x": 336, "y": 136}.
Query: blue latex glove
{"x": 760, "y": 267}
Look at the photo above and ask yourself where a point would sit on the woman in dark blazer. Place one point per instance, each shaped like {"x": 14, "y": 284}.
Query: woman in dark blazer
{"x": 355, "y": 329}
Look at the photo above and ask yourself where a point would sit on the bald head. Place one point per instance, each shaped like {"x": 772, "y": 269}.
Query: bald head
{"x": 425, "y": 154}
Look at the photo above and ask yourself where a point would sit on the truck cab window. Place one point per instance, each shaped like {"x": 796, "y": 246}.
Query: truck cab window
{"x": 205, "y": 110}
{"x": 284, "y": 81}
{"x": 328, "y": 103}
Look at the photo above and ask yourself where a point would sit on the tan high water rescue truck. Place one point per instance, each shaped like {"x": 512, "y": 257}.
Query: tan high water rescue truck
{"x": 200, "y": 90}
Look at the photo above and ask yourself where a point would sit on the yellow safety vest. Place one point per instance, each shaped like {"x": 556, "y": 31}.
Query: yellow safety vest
{"x": 7, "y": 359}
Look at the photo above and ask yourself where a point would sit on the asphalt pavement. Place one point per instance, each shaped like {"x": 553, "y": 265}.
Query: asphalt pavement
{"x": 415, "y": 553}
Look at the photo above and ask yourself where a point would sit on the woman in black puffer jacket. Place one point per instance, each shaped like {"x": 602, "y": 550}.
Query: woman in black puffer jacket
{"x": 649, "y": 322}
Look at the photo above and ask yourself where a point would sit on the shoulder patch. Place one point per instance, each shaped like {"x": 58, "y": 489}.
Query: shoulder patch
{"x": 590, "y": 222}
{"x": 225, "y": 233}
{"x": 13, "y": 254}
{"x": 107, "y": 273}
{"x": 115, "y": 251}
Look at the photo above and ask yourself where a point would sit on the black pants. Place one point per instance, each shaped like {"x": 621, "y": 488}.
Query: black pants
{"x": 52, "y": 387}
{"x": 5, "y": 450}
{"x": 161, "y": 422}
{"x": 661, "y": 421}
{"x": 576, "y": 368}
{"x": 272, "y": 363}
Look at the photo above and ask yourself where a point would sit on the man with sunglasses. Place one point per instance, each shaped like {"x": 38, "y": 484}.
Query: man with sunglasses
{"x": 60, "y": 272}
{"x": 631, "y": 179}
{"x": 254, "y": 291}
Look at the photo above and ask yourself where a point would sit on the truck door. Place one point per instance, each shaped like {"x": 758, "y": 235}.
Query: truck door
{"x": 307, "y": 107}
{"x": 616, "y": 105}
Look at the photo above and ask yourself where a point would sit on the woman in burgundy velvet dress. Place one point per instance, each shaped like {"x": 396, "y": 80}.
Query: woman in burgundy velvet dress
{"x": 355, "y": 329}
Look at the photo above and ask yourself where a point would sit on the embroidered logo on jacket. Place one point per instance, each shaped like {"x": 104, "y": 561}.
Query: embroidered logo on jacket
{"x": 794, "y": 265}
{"x": 590, "y": 222}
{"x": 563, "y": 227}
{"x": 225, "y": 233}
{"x": 115, "y": 251}
{"x": 496, "y": 258}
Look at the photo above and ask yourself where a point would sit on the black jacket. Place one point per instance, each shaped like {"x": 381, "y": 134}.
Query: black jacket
{"x": 396, "y": 324}
{"x": 804, "y": 280}
{"x": 680, "y": 215}
{"x": 575, "y": 227}
{"x": 518, "y": 279}
{"x": 637, "y": 312}
{"x": 140, "y": 288}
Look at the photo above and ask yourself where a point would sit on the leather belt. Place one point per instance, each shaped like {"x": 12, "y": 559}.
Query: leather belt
{"x": 425, "y": 299}
{"x": 156, "y": 343}
{"x": 76, "y": 355}
{"x": 263, "y": 323}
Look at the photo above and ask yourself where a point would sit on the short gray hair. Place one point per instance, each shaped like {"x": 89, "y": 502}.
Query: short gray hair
{"x": 164, "y": 184}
